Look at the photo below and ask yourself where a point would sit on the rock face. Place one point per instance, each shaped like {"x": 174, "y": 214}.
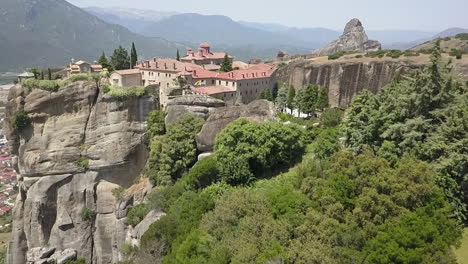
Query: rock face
{"x": 259, "y": 110}
{"x": 354, "y": 38}
{"x": 198, "y": 105}
{"x": 81, "y": 145}
{"x": 344, "y": 80}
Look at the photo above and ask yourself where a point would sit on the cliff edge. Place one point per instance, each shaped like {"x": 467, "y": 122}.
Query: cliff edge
{"x": 81, "y": 144}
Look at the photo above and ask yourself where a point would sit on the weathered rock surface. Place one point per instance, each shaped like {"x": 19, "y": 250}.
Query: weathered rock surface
{"x": 354, "y": 38}
{"x": 198, "y": 105}
{"x": 81, "y": 145}
{"x": 346, "y": 79}
{"x": 259, "y": 110}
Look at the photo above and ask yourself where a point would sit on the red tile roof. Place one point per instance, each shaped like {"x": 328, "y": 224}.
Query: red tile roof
{"x": 254, "y": 72}
{"x": 211, "y": 90}
{"x": 128, "y": 72}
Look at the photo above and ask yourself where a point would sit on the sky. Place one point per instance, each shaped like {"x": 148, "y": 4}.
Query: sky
{"x": 428, "y": 15}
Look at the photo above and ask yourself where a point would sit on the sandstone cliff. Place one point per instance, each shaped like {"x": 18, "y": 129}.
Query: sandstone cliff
{"x": 81, "y": 145}
{"x": 348, "y": 76}
{"x": 354, "y": 39}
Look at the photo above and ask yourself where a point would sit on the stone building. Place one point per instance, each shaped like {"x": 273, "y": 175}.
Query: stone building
{"x": 226, "y": 94}
{"x": 126, "y": 77}
{"x": 210, "y": 60}
{"x": 83, "y": 67}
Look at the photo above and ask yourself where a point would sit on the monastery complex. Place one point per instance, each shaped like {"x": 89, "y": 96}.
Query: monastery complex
{"x": 200, "y": 72}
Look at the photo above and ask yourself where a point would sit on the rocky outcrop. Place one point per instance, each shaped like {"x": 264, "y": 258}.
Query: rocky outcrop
{"x": 81, "y": 145}
{"x": 345, "y": 79}
{"x": 354, "y": 39}
{"x": 259, "y": 110}
{"x": 198, "y": 105}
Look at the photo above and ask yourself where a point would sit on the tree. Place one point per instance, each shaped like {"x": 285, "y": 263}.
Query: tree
{"x": 42, "y": 75}
{"x": 247, "y": 150}
{"x": 178, "y": 55}
{"x": 175, "y": 152}
{"x": 309, "y": 98}
{"x": 133, "y": 56}
{"x": 322, "y": 98}
{"x": 105, "y": 63}
{"x": 227, "y": 64}
{"x": 120, "y": 59}
{"x": 49, "y": 74}
{"x": 266, "y": 95}
{"x": 291, "y": 98}
{"x": 34, "y": 71}
{"x": 282, "y": 98}
{"x": 156, "y": 123}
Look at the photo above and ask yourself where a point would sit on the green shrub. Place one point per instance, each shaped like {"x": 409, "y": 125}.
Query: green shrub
{"x": 203, "y": 174}
{"x": 462, "y": 36}
{"x": 410, "y": 53}
{"x": 129, "y": 250}
{"x": 456, "y": 53}
{"x": 82, "y": 162}
{"x": 85, "y": 147}
{"x": 156, "y": 124}
{"x": 447, "y": 38}
{"x": 21, "y": 120}
{"x": 88, "y": 214}
{"x": 336, "y": 55}
{"x": 358, "y": 56}
{"x": 395, "y": 54}
{"x": 375, "y": 54}
{"x": 331, "y": 117}
{"x": 119, "y": 193}
{"x": 125, "y": 92}
{"x": 137, "y": 214}
{"x": 77, "y": 261}
{"x": 47, "y": 85}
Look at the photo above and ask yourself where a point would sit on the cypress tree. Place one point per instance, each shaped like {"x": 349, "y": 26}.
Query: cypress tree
{"x": 291, "y": 98}
{"x": 49, "y": 74}
{"x": 133, "y": 56}
{"x": 178, "y": 55}
{"x": 227, "y": 64}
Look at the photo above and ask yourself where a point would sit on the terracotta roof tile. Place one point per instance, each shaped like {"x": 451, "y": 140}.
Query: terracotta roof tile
{"x": 211, "y": 90}
{"x": 128, "y": 72}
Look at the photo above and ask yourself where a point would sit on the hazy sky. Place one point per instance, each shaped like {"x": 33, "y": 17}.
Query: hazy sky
{"x": 431, "y": 15}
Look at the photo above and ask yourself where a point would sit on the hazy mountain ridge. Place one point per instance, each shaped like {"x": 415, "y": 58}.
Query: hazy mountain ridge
{"x": 52, "y": 32}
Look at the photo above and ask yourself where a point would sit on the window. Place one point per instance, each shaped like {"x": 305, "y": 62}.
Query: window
{"x": 159, "y": 74}
{"x": 213, "y": 82}
{"x": 227, "y": 83}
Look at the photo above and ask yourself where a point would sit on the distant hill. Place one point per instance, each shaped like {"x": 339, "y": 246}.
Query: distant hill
{"x": 51, "y": 32}
{"x": 134, "y": 19}
{"x": 451, "y": 32}
{"x": 446, "y": 44}
{"x": 412, "y": 44}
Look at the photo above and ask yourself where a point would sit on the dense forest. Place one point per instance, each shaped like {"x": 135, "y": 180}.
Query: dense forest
{"x": 382, "y": 182}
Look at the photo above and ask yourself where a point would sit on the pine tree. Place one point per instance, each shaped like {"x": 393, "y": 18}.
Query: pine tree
{"x": 322, "y": 98}
{"x": 178, "y": 55}
{"x": 227, "y": 64}
{"x": 282, "y": 97}
{"x": 105, "y": 63}
{"x": 133, "y": 56}
{"x": 120, "y": 59}
{"x": 291, "y": 98}
{"x": 309, "y": 99}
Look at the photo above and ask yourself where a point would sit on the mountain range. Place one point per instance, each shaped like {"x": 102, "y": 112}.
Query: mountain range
{"x": 51, "y": 32}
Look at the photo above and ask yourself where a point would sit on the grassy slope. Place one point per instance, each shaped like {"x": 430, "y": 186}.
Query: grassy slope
{"x": 462, "y": 252}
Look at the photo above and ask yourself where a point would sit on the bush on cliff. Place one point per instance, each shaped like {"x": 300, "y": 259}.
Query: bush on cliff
{"x": 21, "y": 120}
{"x": 175, "y": 152}
{"x": 156, "y": 125}
{"x": 124, "y": 92}
{"x": 47, "y": 85}
{"x": 137, "y": 213}
{"x": 247, "y": 150}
